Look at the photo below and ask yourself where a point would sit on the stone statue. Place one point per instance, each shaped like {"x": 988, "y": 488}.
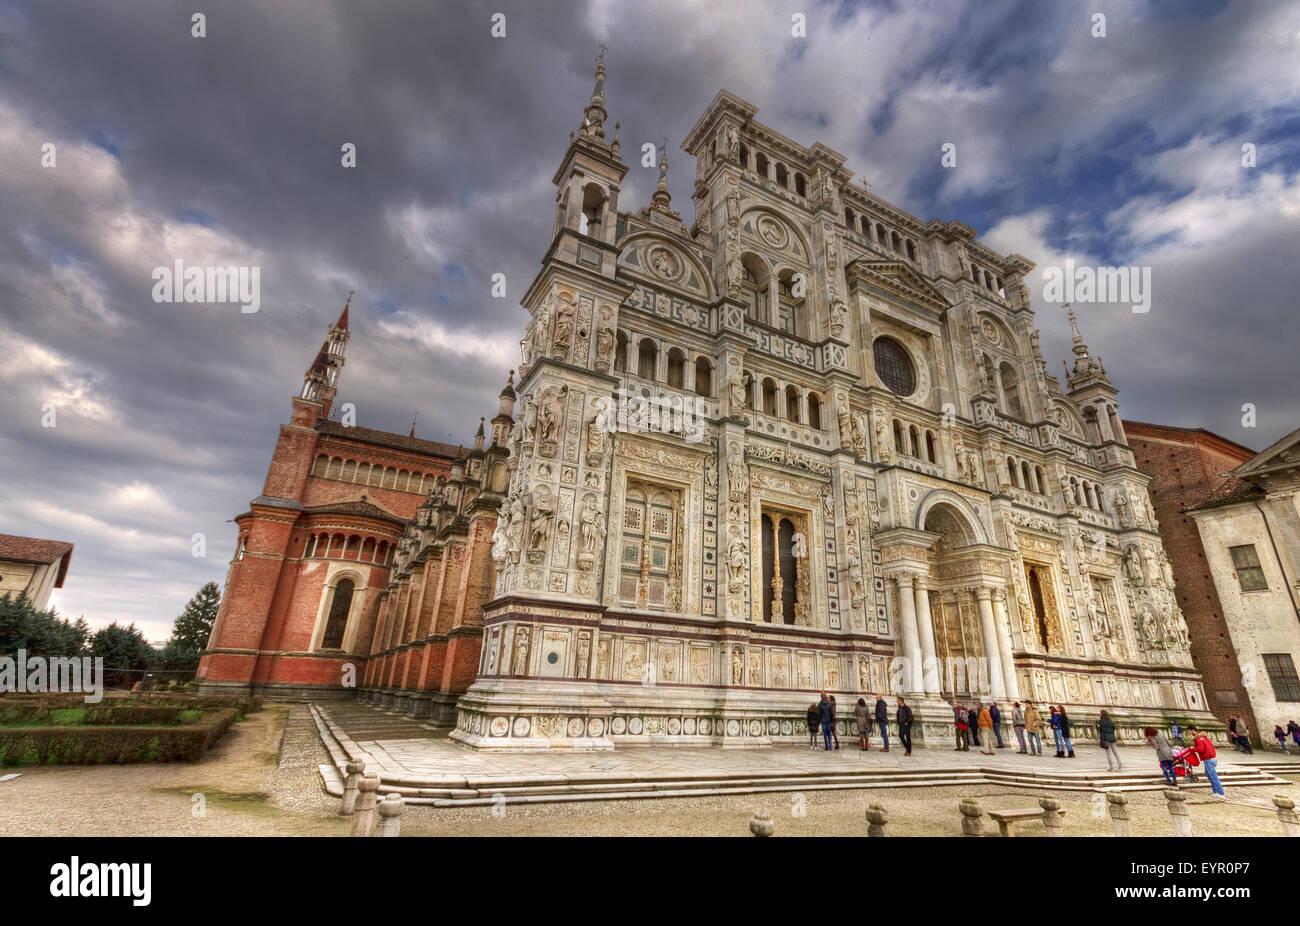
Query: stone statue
{"x": 1133, "y": 564}
{"x": 515, "y": 529}
{"x": 500, "y": 544}
{"x": 530, "y": 420}
{"x": 1122, "y": 509}
{"x": 735, "y": 270}
{"x": 839, "y": 319}
{"x": 551, "y": 412}
{"x": 591, "y": 525}
{"x": 1166, "y": 571}
{"x": 598, "y": 431}
{"x": 543, "y": 518}
{"x": 883, "y": 449}
{"x": 738, "y": 384}
{"x": 737, "y": 476}
{"x": 733, "y": 144}
{"x": 542, "y": 326}
{"x": 604, "y": 342}
{"x": 737, "y": 667}
{"x": 736, "y": 563}
{"x": 564, "y": 326}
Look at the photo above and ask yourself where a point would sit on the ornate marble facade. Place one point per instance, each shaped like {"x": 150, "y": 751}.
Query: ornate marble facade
{"x": 808, "y": 443}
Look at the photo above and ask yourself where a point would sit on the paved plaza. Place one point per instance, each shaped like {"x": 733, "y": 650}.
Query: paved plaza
{"x": 419, "y": 762}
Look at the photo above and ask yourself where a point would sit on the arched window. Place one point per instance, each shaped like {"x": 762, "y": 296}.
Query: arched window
{"x": 866, "y": 228}
{"x": 882, "y": 237}
{"x": 1013, "y": 476}
{"x": 744, "y": 156}
{"x": 1087, "y": 496}
{"x": 848, "y": 217}
{"x": 782, "y": 175}
{"x": 896, "y": 242}
{"x": 789, "y": 307}
{"x": 1011, "y": 391}
{"x": 749, "y": 390}
{"x": 647, "y": 359}
{"x": 800, "y": 185}
{"x": 814, "y": 411}
{"x": 1101, "y": 498}
{"x": 929, "y": 446}
{"x": 1038, "y": 478}
{"x": 792, "y": 404}
{"x": 676, "y": 368}
{"x": 1040, "y": 613}
{"x": 703, "y": 376}
{"x": 760, "y": 164}
{"x": 593, "y": 210}
{"x": 769, "y": 397}
{"x": 914, "y": 443}
{"x": 1026, "y": 480}
{"x": 894, "y": 366}
{"x": 898, "y": 437}
{"x": 337, "y": 622}
{"x": 756, "y": 285}
{"x": 911, "y": 251}
{"x": 974, "y": 273}
{"x": 620, "y": 353}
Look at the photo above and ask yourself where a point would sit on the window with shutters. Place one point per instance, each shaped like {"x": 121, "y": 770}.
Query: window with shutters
{"x": 649, "y": 573}
{"x": 1281, "y": 672}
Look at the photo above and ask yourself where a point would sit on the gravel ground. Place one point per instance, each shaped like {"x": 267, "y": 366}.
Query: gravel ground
{"x": 262, "y": 780}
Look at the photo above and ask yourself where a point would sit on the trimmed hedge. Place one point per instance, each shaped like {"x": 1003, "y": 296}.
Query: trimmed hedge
{"x": 113, "y": 743}
{"x": 19, "y": 707}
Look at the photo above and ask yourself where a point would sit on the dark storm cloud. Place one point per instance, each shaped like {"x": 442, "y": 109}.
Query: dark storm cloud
{"x": 226, "y": 150}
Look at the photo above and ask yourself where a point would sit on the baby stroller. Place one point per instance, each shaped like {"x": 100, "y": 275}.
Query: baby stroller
{"x": 1185, "y": 762}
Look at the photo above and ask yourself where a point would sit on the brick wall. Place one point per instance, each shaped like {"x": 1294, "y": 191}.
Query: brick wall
{"x": 1186, "y": 466}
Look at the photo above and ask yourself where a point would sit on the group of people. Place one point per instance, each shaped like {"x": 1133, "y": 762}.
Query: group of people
{"x": 985, "y": 720}
{"x": 1279, "y": 733}
{"x": 821, "y": 717}
{"x": 1202, "y": 748}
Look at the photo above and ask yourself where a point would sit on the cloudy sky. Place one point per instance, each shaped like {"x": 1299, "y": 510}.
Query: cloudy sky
{"x": 225, "y": 150}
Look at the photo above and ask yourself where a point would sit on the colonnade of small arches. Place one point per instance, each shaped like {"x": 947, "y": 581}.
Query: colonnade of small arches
{"x": 772, "y": 169}
{"x": 373, "y": 474}
{"x": 354, "y": 547}
{"x": 990, "y": 281}
{"x": 1024, "y": 476}
{"x": 787, "y": 401}
{"x": 911, "y": 441}
{"x": 877, "y": 233}
{"x": 645, "y": 357}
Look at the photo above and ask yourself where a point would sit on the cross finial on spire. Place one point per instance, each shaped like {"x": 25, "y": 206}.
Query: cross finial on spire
{"x": 600, "y": 58}
{"x": 661, "y": 199}
{"x": 413, "y": 417}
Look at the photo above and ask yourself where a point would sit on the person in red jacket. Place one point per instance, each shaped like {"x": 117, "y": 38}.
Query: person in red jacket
{"x": 1205, "y": 749}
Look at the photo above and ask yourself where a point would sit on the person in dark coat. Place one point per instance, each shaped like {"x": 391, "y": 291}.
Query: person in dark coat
{"x": 882, "y": 720}
{"x": 904, "y": 717}
{"x": 835, "y": 732}
{"x": 973, "y": 727}
{"x": 997, "y": 722}
{"x": 826, "y": 714}
{"x": 1294, "y": 729}
{"x": 1065, "y": 731}
{"x": 814, "y": 718}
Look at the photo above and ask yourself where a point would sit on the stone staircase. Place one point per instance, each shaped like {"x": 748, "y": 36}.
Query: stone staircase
{"x": 468, "y": 790}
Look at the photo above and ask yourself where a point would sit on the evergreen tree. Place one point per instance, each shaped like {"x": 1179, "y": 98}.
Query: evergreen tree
{"x": 190, "y": 632}
{"x": 126, "y": 653}
{"x": 40, "y": 633}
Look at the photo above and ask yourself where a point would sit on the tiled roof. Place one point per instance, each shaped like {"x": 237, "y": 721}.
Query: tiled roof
{"x": 32, "y": 549}
{"x": 395, "y": 441}
{"x": 1229, "y": 492}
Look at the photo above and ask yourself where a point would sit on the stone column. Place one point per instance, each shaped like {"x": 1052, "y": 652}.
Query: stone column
{"x": 983, "y": 600}
{"x": 355, "y": 769}
{"x": 1009, "y": 681}
{"x": 970, "y": 817}
{"x": 1287, "y": 816}
{"x": 877, "y": 820}
{"x": 909, "y": 634}
{"x": 925, "y": 629}
{"x": 390, "y": 816}
{"x": 364, "y": 819}
{"x": 1119, "y": 813}
{"x": 1052, "y": 816}
{"x": 1182, "y": 820}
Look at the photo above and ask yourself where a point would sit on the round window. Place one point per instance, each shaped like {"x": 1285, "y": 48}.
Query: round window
{"x": 894, "y": 366}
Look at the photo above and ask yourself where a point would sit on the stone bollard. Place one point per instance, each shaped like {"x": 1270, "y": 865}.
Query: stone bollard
{"x": 1052, "y": 817}
{"x": 1178, "y": 812}
{"x": 1287, "y": 816}
{"x": 364, "y": 819}
{"x": 970, "y": 817}
{"x": 760, "y": 824}
{"x": 877, "y": 820}
{"x": 355, "y": 769}
{"x": 390, "y": 816}
{"x": 1119, "y": 814}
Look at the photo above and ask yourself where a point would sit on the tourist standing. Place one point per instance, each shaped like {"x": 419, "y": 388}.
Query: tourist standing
{"x": 1164, "y": 753}
{"x": 1205, "y": 749}
{"x": 882, "y": 720}
{"x": 1106, "y": 727}
{"x": 1243, "y": 736}
{"x": 986, "y": 730}
{"x": 1280, "y": 735}
{"x": 1055, "y": 721}
{"x": 973, "y": 728}
{"x": 1294, "y": 727}
{"x": 864, "y": 724}
{"x": 1065, "y": 729}
{"x": 1232, "y": 733}
{"x": 1018, "y": 725}
{"x": 1034, "y": 727}
{"x": 814, "y": 718}
{"x": 835, "y": 733}
{"x": 1176, "y": 732}
{"x": 826, "y": 716}
{"x": 962, "y": 719}
{"x": 904, "y": 717}
{"x": 996, "y": 713}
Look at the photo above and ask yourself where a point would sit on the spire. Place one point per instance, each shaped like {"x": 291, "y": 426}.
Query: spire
{"x": 320, "y": 383}
{"x": 504, "y": 419}
{"x": 661, "y": 199}
{"x": 617, "y": 146}
{"x": 593, "y": 121}
{"x": 1086, "y": 369}
{"x": 414, "y": 415}
{"x": 478, "y": 435}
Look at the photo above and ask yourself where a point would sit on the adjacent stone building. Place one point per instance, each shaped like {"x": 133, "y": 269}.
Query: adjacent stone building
{"x": 32, "y": 568}
{"x": 1187, "y": 466}
{"x": 1250, "y": 530}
